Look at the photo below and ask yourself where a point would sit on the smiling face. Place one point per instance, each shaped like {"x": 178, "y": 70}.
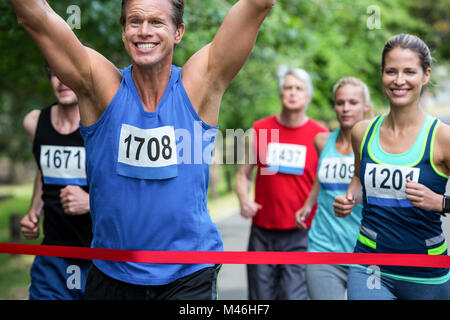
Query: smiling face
{"x": 64, "y": 95}
{"x": 294, "y": 94}
{"x": 404, "y": 77}
{"x": 350, "y": 105}
{"x": 149, "y": 34}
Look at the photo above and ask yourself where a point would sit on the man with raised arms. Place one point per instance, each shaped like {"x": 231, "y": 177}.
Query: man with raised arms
{"x": 142, "y": 197}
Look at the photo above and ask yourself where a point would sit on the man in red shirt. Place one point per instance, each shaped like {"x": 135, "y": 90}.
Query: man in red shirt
{"x": 286, "y": 168}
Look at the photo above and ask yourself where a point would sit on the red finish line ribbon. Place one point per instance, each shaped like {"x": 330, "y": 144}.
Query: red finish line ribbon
{"x": 229, "y": 257}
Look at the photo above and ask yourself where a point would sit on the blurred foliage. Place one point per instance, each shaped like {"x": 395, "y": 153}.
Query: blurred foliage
{"x": 328, "y": 38}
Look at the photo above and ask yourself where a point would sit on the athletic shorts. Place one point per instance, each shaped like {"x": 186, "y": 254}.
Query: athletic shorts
{"x": 201, "y": 285}
{"x": 365, "y": 285}
{"x": 274, "y": 281}
{"x": 54, "y": 278}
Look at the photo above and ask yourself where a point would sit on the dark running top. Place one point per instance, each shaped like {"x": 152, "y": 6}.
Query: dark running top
{"x": 61, "y": 160}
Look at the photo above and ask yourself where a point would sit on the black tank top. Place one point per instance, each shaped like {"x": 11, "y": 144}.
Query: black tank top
{"x": 61, "y": 160}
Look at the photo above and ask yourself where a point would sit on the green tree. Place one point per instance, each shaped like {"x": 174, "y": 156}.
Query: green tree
{"x": 328, "y": 38}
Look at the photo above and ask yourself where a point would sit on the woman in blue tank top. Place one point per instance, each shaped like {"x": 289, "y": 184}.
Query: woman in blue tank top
{"x": 335, "y": 171}
{"x": 402, "y": 162}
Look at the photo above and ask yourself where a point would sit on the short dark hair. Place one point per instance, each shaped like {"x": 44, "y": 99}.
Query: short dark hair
{"x": 177, "y": 12}
{"x": 411, "y": 42}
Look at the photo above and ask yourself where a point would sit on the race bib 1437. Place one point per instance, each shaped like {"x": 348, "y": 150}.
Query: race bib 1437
{"x": 286, "y": 158}
{"x": 385, "y": 184}
{"x": 63, "y": 165}
{"x": 147, "y": 153}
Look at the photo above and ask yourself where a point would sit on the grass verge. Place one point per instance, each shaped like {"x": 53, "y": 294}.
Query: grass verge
{"x": 14, "y": 269}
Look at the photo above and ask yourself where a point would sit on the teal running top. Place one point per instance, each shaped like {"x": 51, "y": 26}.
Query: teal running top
{"x": 329, "y": 233}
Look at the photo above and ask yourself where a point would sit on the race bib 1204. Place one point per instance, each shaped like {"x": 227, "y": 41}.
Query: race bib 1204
{"x": 336, "y": 173}
{"x": 147, "y": 153}
{"x": 286, "y": 158}
{"x": 63, "y": 165}
{"x": 385, "y": 184}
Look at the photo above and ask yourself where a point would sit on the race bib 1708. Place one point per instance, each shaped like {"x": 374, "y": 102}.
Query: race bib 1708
{"x": 385, "y": 184}
{"x": 336, "y": 173}
{"x": 63, "y": 165}
{"x": 286, "y": 158}
{"x": 147, "y": 153}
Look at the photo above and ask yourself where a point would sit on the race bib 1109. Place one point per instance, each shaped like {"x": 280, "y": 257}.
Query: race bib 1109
{"x": 63, "y": 165}
{"x": 147, "y": 153}
{"x": 286, "y": 158}
{"x": 385, "y": 184}
{"x": 336, "y": 173}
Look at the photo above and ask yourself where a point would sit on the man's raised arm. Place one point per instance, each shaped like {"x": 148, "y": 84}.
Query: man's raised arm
{"x": 236, "y": 38}
{"x": 220, "y": 61}
{"x": 68, "y": 58}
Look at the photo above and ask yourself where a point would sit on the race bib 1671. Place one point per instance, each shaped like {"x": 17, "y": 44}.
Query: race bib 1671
{"x": 63, "y": 165}
{"x": 385, "y": 184}
{"x": 147, "y": 153}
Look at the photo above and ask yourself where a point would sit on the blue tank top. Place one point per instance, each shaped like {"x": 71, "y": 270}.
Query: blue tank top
{"x": 149, "y": 176}
{"x": 391, "y": 224}
{"x": 329, "y": 233}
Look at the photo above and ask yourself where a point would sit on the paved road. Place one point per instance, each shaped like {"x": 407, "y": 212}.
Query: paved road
{"x": 232, "y": 283}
